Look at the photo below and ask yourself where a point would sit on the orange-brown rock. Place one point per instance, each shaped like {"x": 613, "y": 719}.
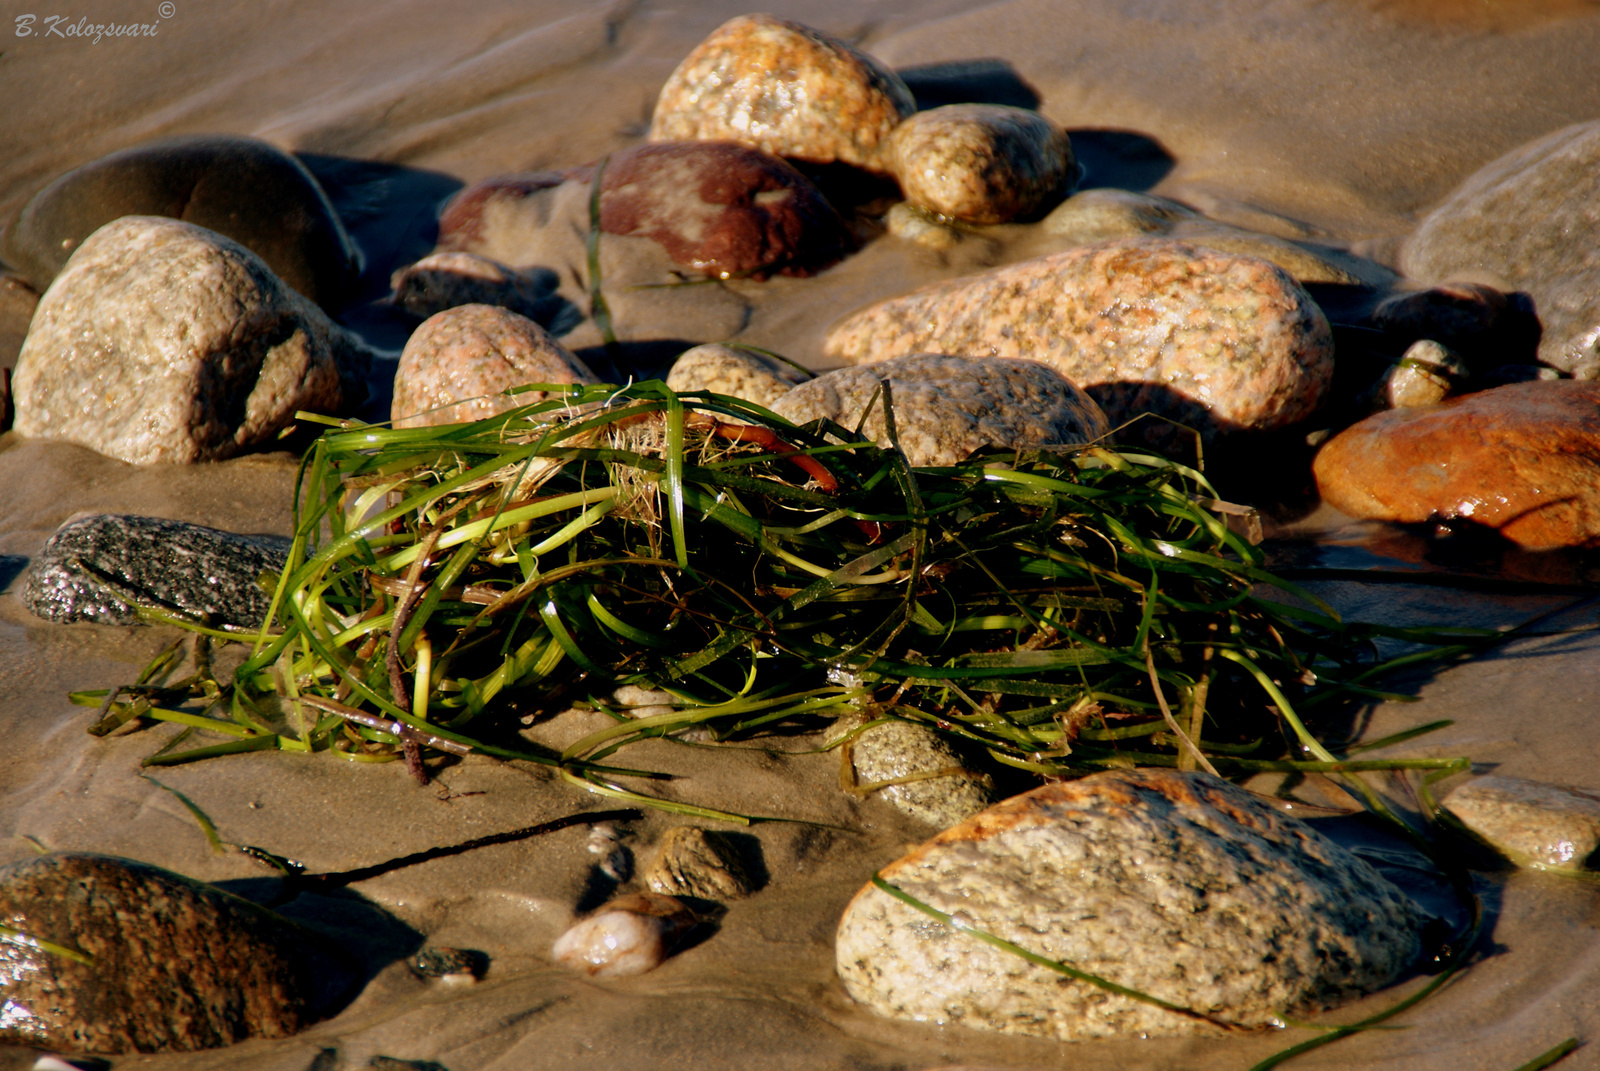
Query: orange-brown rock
{"x": 1523, "y": 459}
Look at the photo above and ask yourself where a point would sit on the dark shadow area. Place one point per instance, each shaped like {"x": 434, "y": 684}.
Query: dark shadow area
{"x": 638, "y": 358}
{"x": 748, "y": 848}
{"x": 1122, "y": 159}
{"x": 11, "y": 567}
{"x": 977, "y": 81}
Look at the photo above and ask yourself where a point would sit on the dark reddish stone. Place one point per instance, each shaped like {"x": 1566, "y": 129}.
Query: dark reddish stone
{"x": 461, "y": 220}
{"x": 1523, "y": 459}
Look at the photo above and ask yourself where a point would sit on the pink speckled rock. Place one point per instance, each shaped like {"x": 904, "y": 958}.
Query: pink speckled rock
{"x": 1219, "y": 342}
{"x": 785, "y": 88}
{"x": 456, "y": 365}
{"x": 982, "y": 163}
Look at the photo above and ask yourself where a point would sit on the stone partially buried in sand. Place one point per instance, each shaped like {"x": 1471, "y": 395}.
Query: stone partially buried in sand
{"x": 177, "y": 965}
{"x": 1529, "y": 220}
{"x": 444, "y": 280}
{"x": 947, "y": 407}
{"x": 982, "y": 163}
{"x": 456, "y": 366}
{"x": 1178, "y": 885}
{"x": 241, "y": 188}
{"x": 741, "y": 373}
{"x": 1531, "y": 822}
{"x": 1523, "y": 459}
{"x": 165, "y": 342}
{"x": 1219, "y": 342}
{"x": 898, "y": 750}
{"x": 785, "y": 88}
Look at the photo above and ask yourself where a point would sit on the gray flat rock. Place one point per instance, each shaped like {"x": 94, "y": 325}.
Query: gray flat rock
{"x": 1530, "y": 821}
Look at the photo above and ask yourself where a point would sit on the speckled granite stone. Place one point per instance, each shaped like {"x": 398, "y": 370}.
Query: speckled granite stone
{"x": 785, "y": 88}
{"x": 445, "y": 280}
{"x": 1219, "y": 342}
{"x": 178, "y": 965}
{"x": 982, "y": 163}
{"x": 164, "y": 342}
{"x": 1532, "y": 822}
{"x": 1530, "y": 219}
{"x": 696, "y": 862}
{"x": 947, "y": 407}
{"x": 98, "y": 568}
{"x": 456, "y": 365}
{"x": 741, "y": 373}
{"x": 901, "y": 749}
{"x": 1179, "y": 885}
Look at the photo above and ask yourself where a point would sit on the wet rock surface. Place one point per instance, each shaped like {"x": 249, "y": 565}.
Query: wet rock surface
{"x": 785, "y": 88}
{"x": 902, "y": 750}
{"x": 100, "y": 568}
{"x": 982, "y": 163}
{"x": 445, "y": 280}
{"x": 741, "y": 373}
{"x": 1426, "y": 374}
{"x": 241, "y": 188}
{"x": 1531, "y": 822}
{"x": 1100, "y": 215}
{"x": 696, "y": 862}
{"x": 164, "y": 342}
{"x": 1529, "y": 219}
{"x": 947, "y": 407}
{"x": 631, "y": 934}
{"x": 1523, "y": 459}
{"x": 1178, "y": 885}
{"x": 457, "y": 364}
{"x": 176, "y": 965}
{"x": 1220, "y": 342}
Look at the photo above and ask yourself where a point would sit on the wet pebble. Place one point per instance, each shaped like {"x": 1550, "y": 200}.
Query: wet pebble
{"x": 734, "y": 371}
{"x": 164, "y": 342}
{"x": 457, "y": 364}
{"x": 1100, "y": 215}
{"x": 1426, "y": 374}
{"x": 982, "y": 163}
{"x": 176, "y": 965}
{"x": 1523, "y": 459}
{"x": 445, "y": 280}
{"x": 899, "y": 750}
{"x": 440, "y": 961}
{"x": 1529, "y": 821}
{"x": 629, "y": 935}
{"x": 244, "y": 189}
{"x": 784, "y": 88}
{"x": 1179, "y": 885}
{"x": 913, "y": 224}
{"x": 696, "y": 862}
{"x": 1219, "y": 342}
{"x": 99, "y": 568}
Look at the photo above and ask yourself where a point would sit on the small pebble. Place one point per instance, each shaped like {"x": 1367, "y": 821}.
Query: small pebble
{"x": 1427, "y": 374}
{"x": 732, "y": 370}
{"x": 699, "y": 863}
{"x": 1100, "y": 214}
{"x": 982, "y": 163}
{"x": 439, "y": 961}
{"x": 629, "y": 935}
{"x": 901, "y": 749}
{"x": 913, "y": 223}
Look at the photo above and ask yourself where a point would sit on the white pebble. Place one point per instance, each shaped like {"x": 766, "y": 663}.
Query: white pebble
{"x": 630, "y": 935}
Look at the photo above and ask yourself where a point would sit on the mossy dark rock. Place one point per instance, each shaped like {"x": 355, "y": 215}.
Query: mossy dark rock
{"x": 243, "y": 189}
{"x": 177, "y": 965}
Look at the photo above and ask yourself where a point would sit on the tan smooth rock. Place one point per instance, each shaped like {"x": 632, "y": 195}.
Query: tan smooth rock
{"x": 730, "y": 370}
{"x": 1532, "y": 822}
{"x": 982, "y": 163}
{"x": 1100, "y": 215}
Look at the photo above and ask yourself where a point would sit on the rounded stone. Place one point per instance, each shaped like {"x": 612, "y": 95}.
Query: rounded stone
{"x": 734, "y": 371}
{"x": 1523, "y": 459}
{"x": 241, "y": 188}
{"x": 1533, "y": 823}
{"x": 458, "y": 364}
{"x": 982, "y": 163}
{"x": 898, "y": 750}
{"x": 1100, "y": 215}
{"x": 1426, "y": 374}
{"x": 947, "y": 407}
{"x": 1471, "y": 318}
{"x": 699, "y": 863}
{"x": 915, "y": 224}
{"x": 165, "y": 342}
{"x": 466, "y": 220}
{"x": 1302, "y": 264}
{"x": 444, "y": 280}
{"x": 1218, "y": 342}
{"x": 631, "y": 934}
{"x": 1178, "y": 885}
{"x": 176, "y": 965}
{"x": 784, "y": 88}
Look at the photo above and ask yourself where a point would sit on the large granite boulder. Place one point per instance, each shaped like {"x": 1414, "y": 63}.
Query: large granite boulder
{"x": 241, "y": 188}
{"x": 785, "y": 88}
{"x": 982, "y": 163}
{"x": 1178, "y": 885}
{"x": 173, "y": 965}
{"x": 1531, "y": 221}
{"x": 1523, "y": 459}
{"x": 947, "y": 407}
{"x": 161, "y": 341}
{"x": 1219, "y": 342}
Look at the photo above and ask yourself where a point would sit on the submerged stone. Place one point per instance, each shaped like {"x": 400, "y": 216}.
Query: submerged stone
{"x": 1178, "y": 885}
{"x": 241, "y": 188}
{"x": 982, "y": 163}
{"x": 734, "y": 371}
{"x": 1100, "y": 215}
{"x": 1530, "y": 821}
{"x": 177, "y": 965}
{"x": 100, "y": 568}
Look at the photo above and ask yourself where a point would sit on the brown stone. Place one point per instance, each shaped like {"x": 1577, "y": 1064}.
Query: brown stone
{"x": 465, "y": 216}
{"x": 1523, "y": 459}
{"x": 1473, "y": 319}
{"x": 1216, "y": 341}
{"x": 456, "y": 366}
{"x": 785, "y": 88}
{"x": 982, "y": 163}
{"x": 444, "y": 280}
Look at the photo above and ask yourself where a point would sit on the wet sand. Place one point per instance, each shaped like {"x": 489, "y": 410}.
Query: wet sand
{"x": 1339, "y": 120}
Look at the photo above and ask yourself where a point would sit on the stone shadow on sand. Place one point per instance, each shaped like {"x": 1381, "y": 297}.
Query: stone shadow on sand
{"x": 975, "y": 81}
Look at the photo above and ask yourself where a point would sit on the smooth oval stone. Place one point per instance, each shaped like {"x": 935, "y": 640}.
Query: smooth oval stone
{"x": 1426, "y": 374}
{"x": 1100, "y": 215}
{"x": 456, "y": 366}
{"x": 784, "y": 88}
{"x": 241, "y": 188}
{"x": 165, "y": 342}
{"x": 1533, "y": 823}
{"x": 734, "y": 371}
{"x": 444, "y": 280}
{"x": 101, "y": 568}
{"x": 1218, "y": 342}
{"x": 177, "y": 965}
{"x": 901, "y": 749}
{"x": 1179, "y": 885}
{"x": 628, "y": 935}
{"x": 927, "y": 229}
{"x": 982, "y": 163}
{"x": 699, "y": 863}
{"x": 1523, "y": 459}
{"x": 1528, "y": 219}
{"x": 1477, "y": 321}
{"x": 947, "y": 407}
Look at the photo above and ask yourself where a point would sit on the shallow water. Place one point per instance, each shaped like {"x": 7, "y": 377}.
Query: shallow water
{"x": 1338, "y": 119}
